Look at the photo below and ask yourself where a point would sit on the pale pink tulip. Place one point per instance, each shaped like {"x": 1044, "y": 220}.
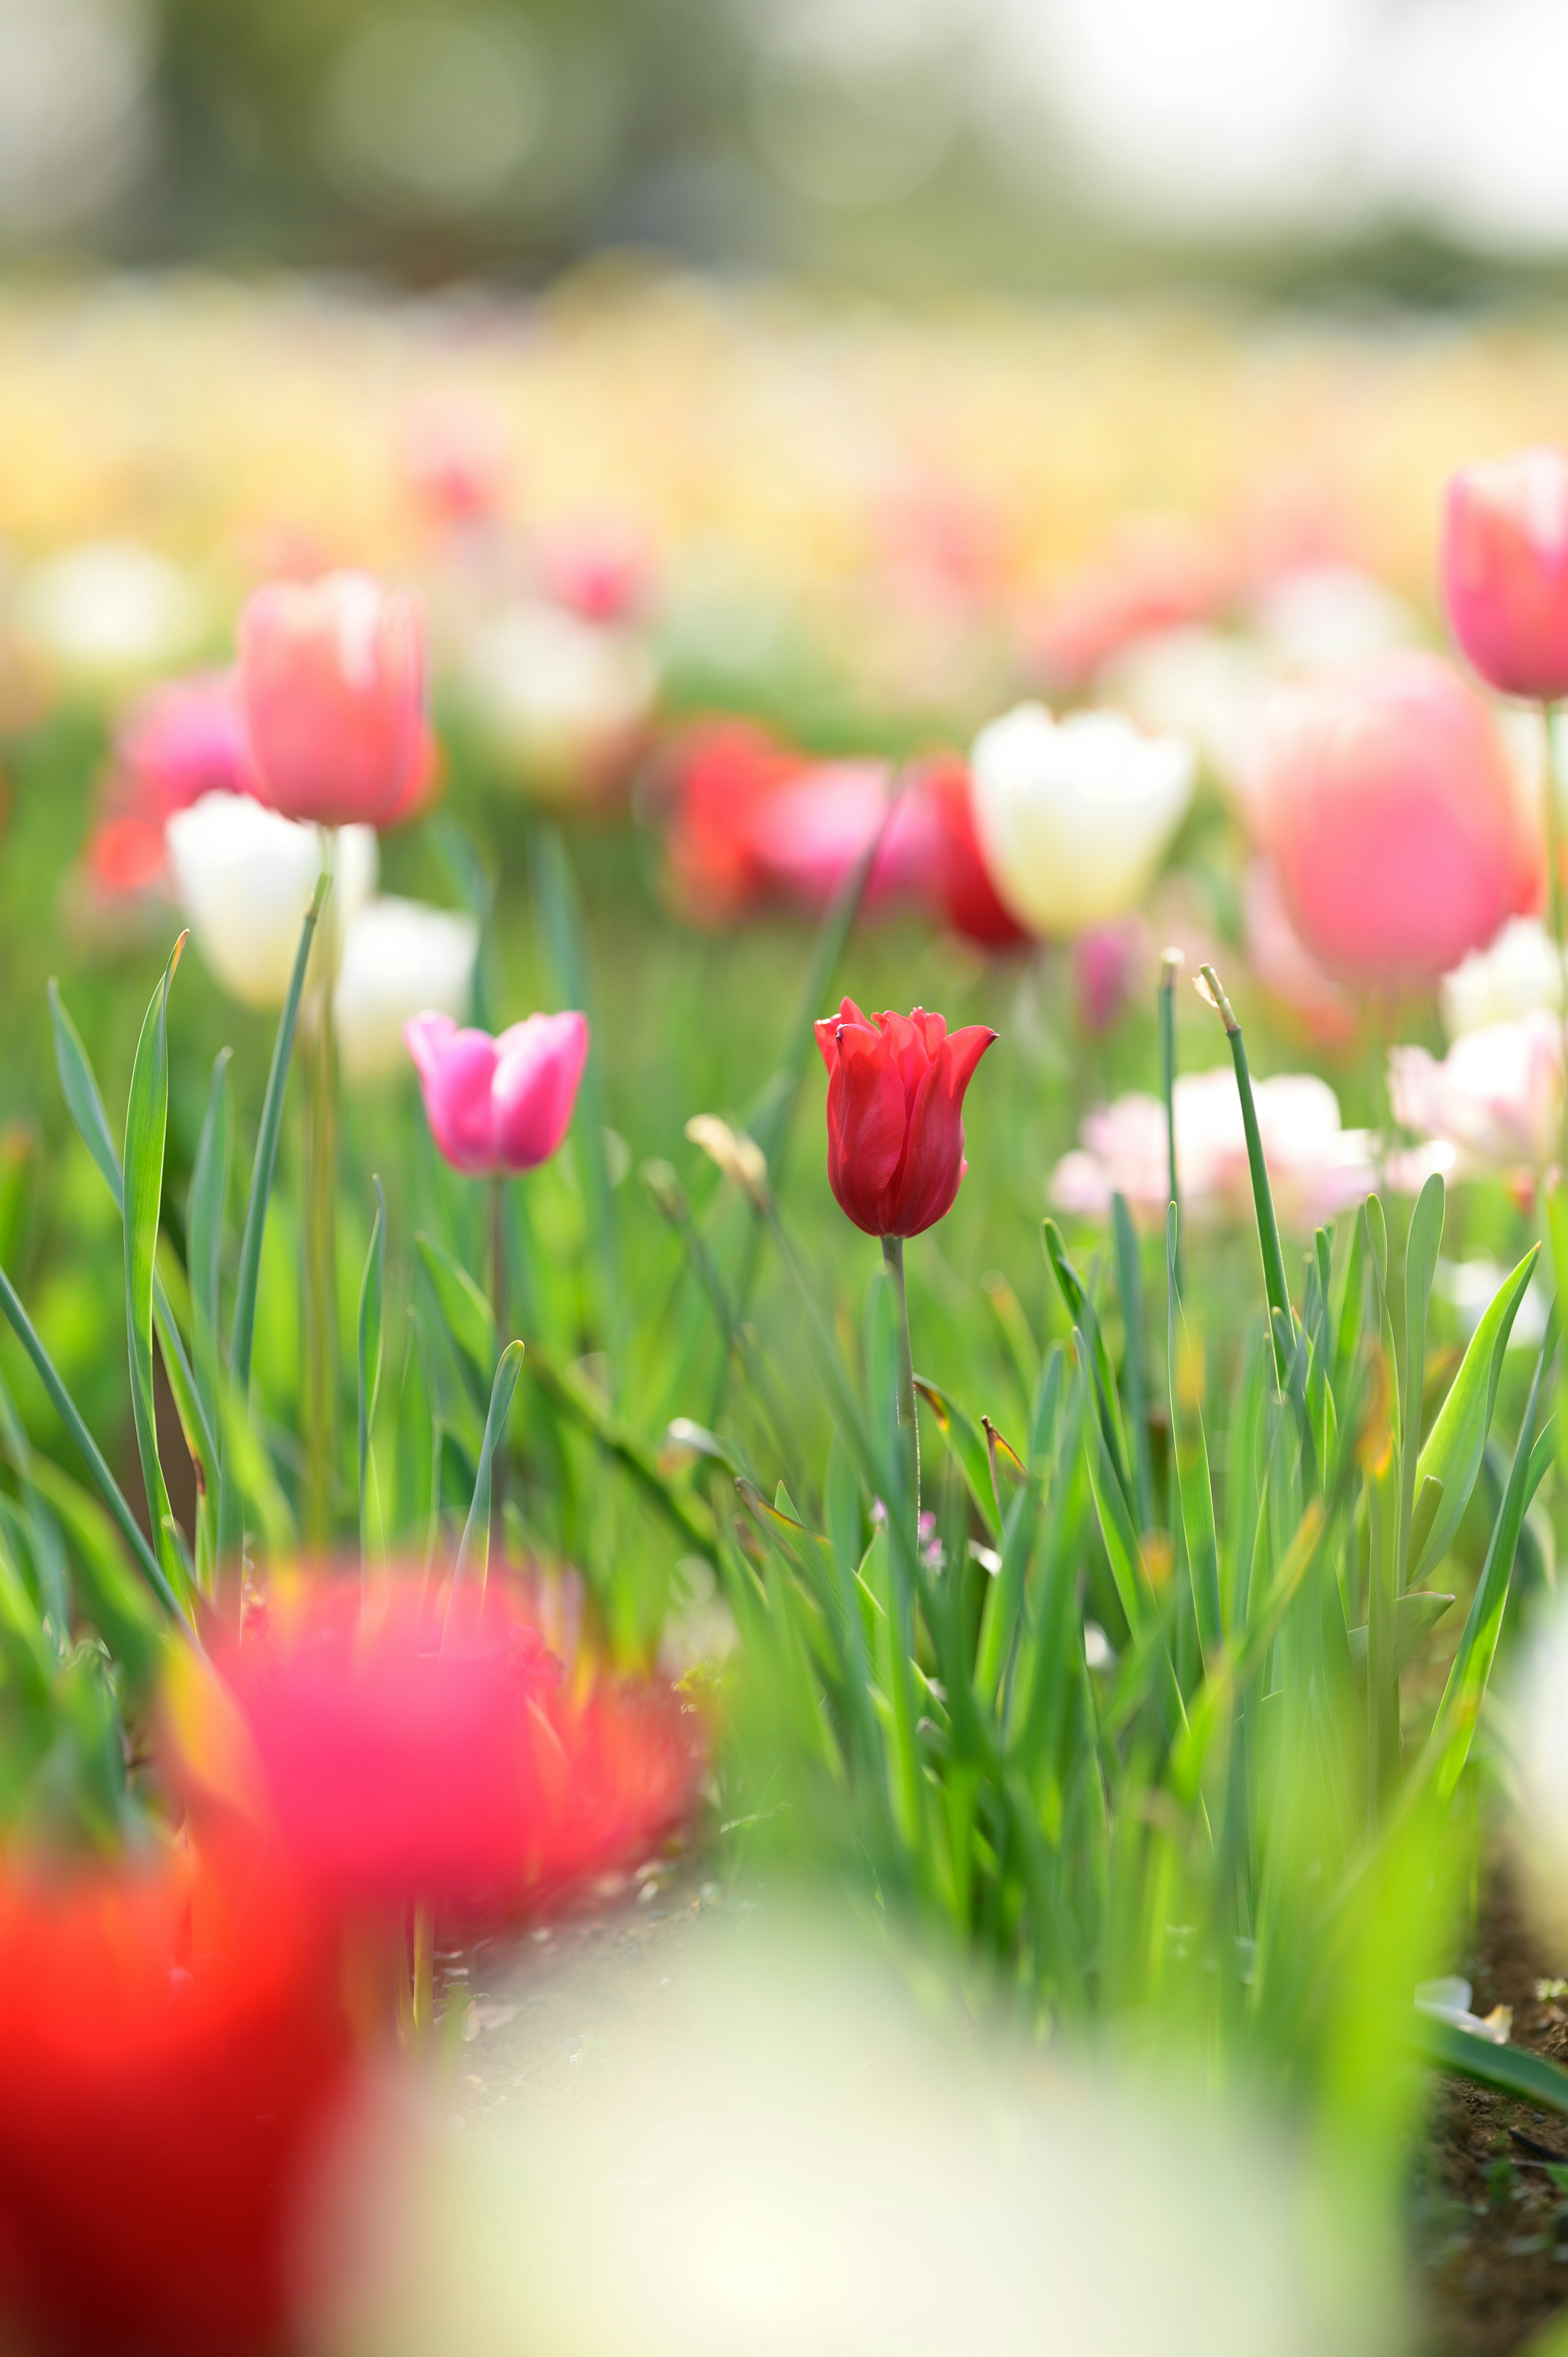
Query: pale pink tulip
{"x": 1496, "y": 1097}
{"x": 810, "y": 834}
{"x": 1387, "y": 798}
{"x": 332, "y": 688}
{"x": 1316, "y": 1168}
{"x": 1505, "y": 570}
{"x": 498, "y": 1104}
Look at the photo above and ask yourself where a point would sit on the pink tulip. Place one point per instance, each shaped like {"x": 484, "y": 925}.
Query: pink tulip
{"x": 332, "y": 687}
{"x": 1397, "y": 830}
{"x": 498, "y": 1104}
{"x": 1496, "y": 1097}
{"x": 183, "y": 739}
{"x": 1505, "y": 570}
{"x": 813, "y": 830}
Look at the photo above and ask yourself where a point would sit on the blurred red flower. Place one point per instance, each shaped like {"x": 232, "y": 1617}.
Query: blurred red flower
{"x": 895, "y": 1091}
{"x": 400, "y": 1759}
{"x": 332, "y": 689}
{"x": 959, "y": 882}
{"x": 172, "y": 2055}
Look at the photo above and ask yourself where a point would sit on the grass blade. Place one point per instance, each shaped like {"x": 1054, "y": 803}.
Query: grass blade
{"x": 204, "y": 1229}
{"x": 1420, "y": 1261}
{"x": 373, "y": 1286}
{"x": 1457, "y": 1440}
{"x": 146, "y": 1122}
{"x": 474, "y": 1554}
{"x": 1274, "y": 1284}
{"x": 561, "y": 923}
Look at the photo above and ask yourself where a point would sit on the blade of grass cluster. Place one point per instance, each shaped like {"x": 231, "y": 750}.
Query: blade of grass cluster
{"x": 561, "y": 923}
{"x": 243, "y": 1339}
{"x": 146, "y": 1122}
{"x": 1419, "y": 1262}
{"x": 1130, "y": 1283}
{"x": 372, "y": 1290}
{"x": 1457, "y": 1440}
{"x": 474, "y": 1552}
{"x": 1190, "y": 1444}
{"x": 84, "y": 1101}
{"x": 1274, "y": 1284}
{"x": 70, "y": 1416}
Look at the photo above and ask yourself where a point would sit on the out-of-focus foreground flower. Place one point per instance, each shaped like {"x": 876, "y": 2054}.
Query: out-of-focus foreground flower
{"x": 399, "y": 959}
{"x": 1074, "y": 816}
{"x": 777, "y": 2153}
{"x": 563, "y": 702}
{"x": 332, "y": 688}
{"x": 244, "y": 877}
{"x": 172, "y": 2054}
{"x": 399, "y": 1753}
{"x": 1505, "y": 570}
{"x": 504, "y": 1103}
{"x": 1386, "y": 797}
{"x": 896, "y": 1090}
{"x": 1316, "y": 1167}
{"x": 1495, "y": 1099}
{"x": 1521, "y": 971}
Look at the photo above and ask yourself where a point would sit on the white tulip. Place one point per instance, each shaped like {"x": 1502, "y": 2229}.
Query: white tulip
{"x": 112, "y": 608}
{"x": 1075, "y": 816}
{"x": 400, "y": 959}
{"x": 562, "y": 699}
{"x": 243, "y": 878}
{"x": 1521, "y": 972}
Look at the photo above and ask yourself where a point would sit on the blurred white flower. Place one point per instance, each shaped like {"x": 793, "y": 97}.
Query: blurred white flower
{"x": 1496, "y": 1097}
{"x": 773, "y": 2151}
{"x": 244, "y": 877}
{"x": 562, "y": 700}
{"x": 1315, "y": 617}
{"x": 1075, "y": 816}
{"x": 1470, "y": 1286}
{"x": 399, "y": 959}
{"x": 1521, "y": 971}
{"x": 1208, "y": 687}
{"x": 1448, "y": 2000}
{"x": 112, "y": 608}
{"x": 1316, "y": 1167}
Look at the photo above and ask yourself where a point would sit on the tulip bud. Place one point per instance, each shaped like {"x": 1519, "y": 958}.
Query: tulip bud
{"x": 332, "y": 686}
{"x": 1387, "y": 797}
{"x": 1074, "y": 816}
{"x": 244, "y": 877}
{"x": 896, "y": 1090}
{"x": 1505, "y": 570}
{"x": 498, "y": 1104}
{"x": 398, "y": 959}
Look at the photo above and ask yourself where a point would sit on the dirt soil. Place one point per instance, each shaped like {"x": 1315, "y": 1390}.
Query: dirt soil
{"x": 1490, "y": 2223}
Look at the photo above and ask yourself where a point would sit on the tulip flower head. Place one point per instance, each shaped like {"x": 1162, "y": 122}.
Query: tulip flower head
{"x": 1519, "y": 972}
{"x": 958, "y": 883}
{"x": 1496, "y": 1097}
{"x": 1386, "y": 797}
{"x": 399, "y": 959}
{"x": 332, "y": 687}
{"x": 1074, "y": 816}
{"x": 895, "y": 1089}
{"x": 245, "y": 879}
{"x": 499, "y": 1105}
{"x": 1505, "y": 570}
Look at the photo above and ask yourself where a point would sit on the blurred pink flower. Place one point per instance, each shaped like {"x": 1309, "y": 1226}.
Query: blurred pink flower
{"x": 1387, "y": 798}
{"x": 599, "y": 567}
{"x": 498, "y": 1104}
{"x": 1505, "y": 570}
{"x": 1162, "y": 572}
{"x": 811, "y": 831}
{"x": 1109, "y": 964}
{"x": 332, "y": 688}
{"x": 1316, "y": 1167}
{"x": 454, "y": 458}
{"x": 1314, "y": 1007}
{"x": 1496, "y": 1097}
{"x": 179, "y": 741}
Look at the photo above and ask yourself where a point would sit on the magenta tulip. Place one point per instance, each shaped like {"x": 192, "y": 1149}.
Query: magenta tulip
{"x": 499, "y": 1105}
{"x": 332, "y": 690}
{"x": 1505, "y": 570}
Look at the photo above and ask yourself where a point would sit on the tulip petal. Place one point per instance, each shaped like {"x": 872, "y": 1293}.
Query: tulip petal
{"x": 539, "y": 1064}
{"x": 456, "y": 1071}
{"x": 866, "y": 1124}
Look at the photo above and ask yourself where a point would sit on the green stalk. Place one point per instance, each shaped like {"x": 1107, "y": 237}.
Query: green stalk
{"x": 1170, "y": 966}
{"x": 1268, "y": 1226}
{"x": 1552, "y": 830}
{"x": 321, "y": 1240}
{"x": 501, "y": 1302}
{"x": 893, "y": 1254}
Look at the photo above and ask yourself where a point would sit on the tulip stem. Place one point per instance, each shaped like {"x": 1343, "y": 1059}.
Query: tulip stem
{"x": 893, "y": 1254}
{"x": 423, "y": 1971}
{"x": 1554, "y": 832}
{"x": 1170, "y": 966}
{"x": 501, "y": 1302}
{"x": 321, "y": 1245}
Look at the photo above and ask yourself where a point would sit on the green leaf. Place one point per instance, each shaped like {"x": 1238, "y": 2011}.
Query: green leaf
{"x": 468, "y": 1317}
{"x": 1453, "y": 1447}
{"x": 204, "y": 1229}
{"x": 70, "y": 1416}
{"x": 230, "y": 1532}
{"x": 1530, "y": 2078}
{"x": 146, "y": 1120}
{"x": 1416, "y": 1614}
{"x": 1130, "y": 1285}
{"x": 1186, "y": 1382}
{"x": 561, "y": 924}
{"x": 474, "y": 1554}
{"x": 371, "y": 1288}
{"x": 111, "y": 1597}
{"x": 971, "y": 1450}
{"x": 1096, "y": 1360}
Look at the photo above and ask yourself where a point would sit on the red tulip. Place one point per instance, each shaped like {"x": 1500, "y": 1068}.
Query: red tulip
{"x": 717, "y": 776}
{"x": 1505, "y": 570}
{"x": 172, "y": 2055}
{"x": 896, "y": 1090}
{"x": 959, "y": 882}
{"x": 1386, "y": 797}
{"x": 400, "y": 1754}
{"x": 332, "y": 686}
